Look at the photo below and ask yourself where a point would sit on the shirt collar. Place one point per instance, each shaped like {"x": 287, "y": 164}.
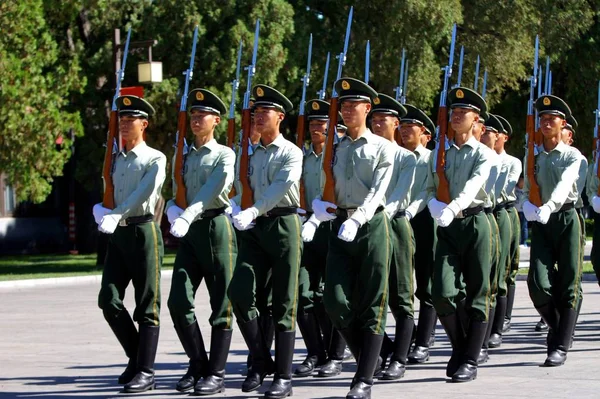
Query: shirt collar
{"x": 278, "y": 142}
{"x": 368, "y": 135}
{"x": 472, "y": 142}
{"x": 420, "y": 150}
{"x": 211, "y": 146}
{"x": 137, "y": 150}
{"x": 560, "y": 147}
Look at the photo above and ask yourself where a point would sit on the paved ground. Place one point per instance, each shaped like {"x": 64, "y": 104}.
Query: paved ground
{"x": 54, "y": 343}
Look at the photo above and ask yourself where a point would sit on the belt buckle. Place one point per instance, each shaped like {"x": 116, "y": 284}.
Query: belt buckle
{"x": 460, "y": 215}
{"x": 123, "y": 222}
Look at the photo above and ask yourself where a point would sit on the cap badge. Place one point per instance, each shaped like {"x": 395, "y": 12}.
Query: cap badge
{"x": 260, "y": 92}
{"x": 547, "y": 101}
{"x": 315, "y": 106}
{"x": 126, "y": 101}
{"x": 345, "y": 85}
{"x": 199, "y": 96}
{"x": 376, "y": 101}
{"x": 460, "y": 94}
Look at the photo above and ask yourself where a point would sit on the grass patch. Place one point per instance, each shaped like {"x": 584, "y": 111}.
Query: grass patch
{"x": 587, "y": 268}
{"x": 45, "y": 266}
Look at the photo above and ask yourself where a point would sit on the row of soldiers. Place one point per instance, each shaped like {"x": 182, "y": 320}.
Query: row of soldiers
{"x": 333, "y": 268}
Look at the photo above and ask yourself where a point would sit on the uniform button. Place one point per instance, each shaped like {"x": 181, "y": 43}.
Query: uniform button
{"x": 122, "y": 174}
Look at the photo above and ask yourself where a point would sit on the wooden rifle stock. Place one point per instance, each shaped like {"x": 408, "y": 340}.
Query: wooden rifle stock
{"x": 443, "y": 189}
{"x": 300, "y": 143}
{"x": 532, "y": 139}
{"x": 329, "y": 188}
{"x": 247, "y": 194}
{"x": 180, "y": 199}
{"x": 108, "y": 201}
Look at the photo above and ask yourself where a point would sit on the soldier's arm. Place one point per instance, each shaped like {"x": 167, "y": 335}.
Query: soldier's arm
{"x": 219, "y": 180}
{"x": 476, "y": 182}
{"x": 513, "y": 175}
{"x": 406, "y": 178}
{"x": 290, "y": 173}
{"x": 582, "y": 175}
{"x": 430, "y": 190}
{"x": 567, "y": 179}
{"x": 592, "y": 183}
{"x": 153, "y": 179}
{"x": 381, "y": 180}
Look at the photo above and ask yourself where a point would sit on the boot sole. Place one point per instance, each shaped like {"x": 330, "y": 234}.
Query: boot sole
{"x": 417, "y": 361}
{"x": 301, "y": 375}
{"x": 200, "y": 393}
{"x": 150, "y": 388}
{"x": 328, "y": 375}
{"x": 469, "y": 380}
{"x": 290, "y": 393}
{"x": 386, "y": 377}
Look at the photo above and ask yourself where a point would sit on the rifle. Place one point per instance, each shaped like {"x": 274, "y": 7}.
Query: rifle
{"x": 484, "y": 87}
{"x": 301, "y": 126}
{"x": 367, "y": 61}
{"x": 443, "y": 190}
{"x": 534, "y": 189}
{"x": 180, "y": 199}
{"x": 449, "y": 130}
{"x": 235, "y": 84}
{"x": 247, "y": 193}
{"x": 476, "y": 82}
{"x": 400, "y": 88}
{"x": 321, "y": 93}
{"x": 108, "y": 201}
{"x": 329, "y": 188}
{"x": 596, "y": 137}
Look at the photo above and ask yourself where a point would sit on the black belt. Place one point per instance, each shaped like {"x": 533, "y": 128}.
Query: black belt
{"x": 131, "y": 221}
{"x": 566, "y": 207}
{"x": 469, "y": 212}
{"x": 509, "y": 204}
{"x": 346, "y": 213}
{"x": 488, "y": 211}
{"x": 400, "y": 214}
{"x": 212, "y": 213}
{"x": 283, "y": 211}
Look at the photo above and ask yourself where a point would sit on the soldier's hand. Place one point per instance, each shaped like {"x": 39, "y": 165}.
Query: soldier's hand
{"x": 320, "y": 210}
{"x": 543, "y": 214}
{"x": 530, "y": 211}
{"x": 235, "y": 208}
{"x": 436, "y": 207}
{"x": 446, "y": 217}
{"x": 109, "y": 224}
{"x": 596, "y": 203}
{"x": 348, "y": 230}
{"x": 180, "y": 227}
{"x": 302, "y": 214}
{"x": 173, "y": 213}
{"x": 228, "y": 212}
{"x": 245, "y": 219}
{"x": 309, "y": 229}
{"x": 99, "y": 212}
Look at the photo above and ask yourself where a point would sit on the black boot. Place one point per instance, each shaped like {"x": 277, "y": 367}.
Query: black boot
{"x": 284, "y": 353}
{"x": 454, "y": 330}
{"x": 397, "y": 367}
{"x": 268, "y": 328}
{"x": 144, "y": 379}
{"x": 387, "y": 348}
{"x": 193, "y": 345}
{"x": 124, "y": 329}
{"x": 314, "y": 344}
{"x": 541, "y": 326}
{"x": 335, "y": 357}
{"x": 367, "y": 361}
{"x": 353, "y": 339}
{"x": 475, "y": 337}
{"x": 262, "y": 363}
{"x": 214, "y": 382}
{"x": 510, "y": 300}
{"x": 495, "y": 338}
{"x": 578, "y": 311}
{"x": 562, "y": 338}
{"x": 426, "y": 326}
{"x": 483, "y": 353}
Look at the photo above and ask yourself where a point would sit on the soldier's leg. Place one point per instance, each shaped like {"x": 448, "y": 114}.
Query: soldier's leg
{"x": 494, "y": 263}
{"x": 505, "y": 230}
{"x": 514, "y": 257}
{"x": 595, "y": 254}
{"x": 149, "y": 252}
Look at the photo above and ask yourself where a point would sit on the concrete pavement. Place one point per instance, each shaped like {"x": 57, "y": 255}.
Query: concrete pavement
{"x": 54, "y": 343}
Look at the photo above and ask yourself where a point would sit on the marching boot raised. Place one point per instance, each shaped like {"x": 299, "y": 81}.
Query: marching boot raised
{"x": 193, "y": 345}
{"x": 124, "y": 329}
{"x": 144, "y": 379}
{"x": 367, "y": 361}
{"x": 475, "y": 337}
{"x": 397, "y": 367}
{"x": 425, "y": 328}
{"x": 559, "y": 344}
{"x": 495, "y": 338}
{"x": 214, "y": 382}
{"x": 262, "y": 363}
{"x": 483, "y": 353}
{"x": 453, "y": 328}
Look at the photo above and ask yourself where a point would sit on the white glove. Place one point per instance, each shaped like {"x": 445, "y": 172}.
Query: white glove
{"x": 543, "y": 214}
{"x": 596, "y": 203}
{"x": 436, "y": 207}
{"x": 310, "y": 228}
{"x": 530, "y": 211}
{"x": 320, "y": 210}
{"x": 109, "y": 223}
{"x": 173, "y": 213}
{"x": 180, "y": 227}
{"x": 408, "y": 215}
{"x": 244, "y": 219}
{"x": 235, "y": 208}
{"x": 348, "y": 230}
{"x": 445, "y": 218}
{"x": 99, "y": 212}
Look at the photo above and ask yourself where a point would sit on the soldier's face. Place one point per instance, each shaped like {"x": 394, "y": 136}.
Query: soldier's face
{"x": 202, "y": 123}
{"x": 384, "y": 125}
{"x": 411, "y": 134}
{"x": 551, "y": 125}
{"x": 355, "y": 112}
{"x": 267, "y": 119}
{"x": 317, "y": 129}
{"x": 489, "y": 138}
{"x": 478, "y": 130}
{"x": 254, "y": 135}
{"x": 132, "y": 127}
{"x": 463, "y": 119}
{"x": 425, "y": 138}
{"x": 502, "y": 139}
{"x": 566, "y": 136}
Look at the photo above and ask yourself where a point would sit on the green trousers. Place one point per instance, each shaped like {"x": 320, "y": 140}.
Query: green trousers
{"x": 595, "y": 255}
{"x": 513, "y": 252}
{"x": 401, "y": 269}
{"x": 494, "y": 257}
{"x": 134, "y": 254}
{"x": 272, "y": 249}
{"x": 463, "y": 264}
{"x": 557, "y": 242}
{"x": 424, "y": 228}
{"x": 207, "y": 252}
{"x": 312, "y": 271}
{"x": 505, "y": 231}
{"x": 356, "y": 277}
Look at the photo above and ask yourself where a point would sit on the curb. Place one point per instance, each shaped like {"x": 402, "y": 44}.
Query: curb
{"x": 58, "y": 281}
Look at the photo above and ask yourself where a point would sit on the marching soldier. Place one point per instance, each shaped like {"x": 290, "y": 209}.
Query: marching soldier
{"x": 385, "y": 120}
{"x": 326, "y": 351}
{"x": 356, "y": 282}
{"x": 510, "y": 232}
{"x": 413, "y": 127}
{"x": 208, "y": 247}
{"x": 135, "y": 247}
{"x": 462, "y": 257}
{"x": 556, "y": 233}
{"x": 269, "y": 244}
